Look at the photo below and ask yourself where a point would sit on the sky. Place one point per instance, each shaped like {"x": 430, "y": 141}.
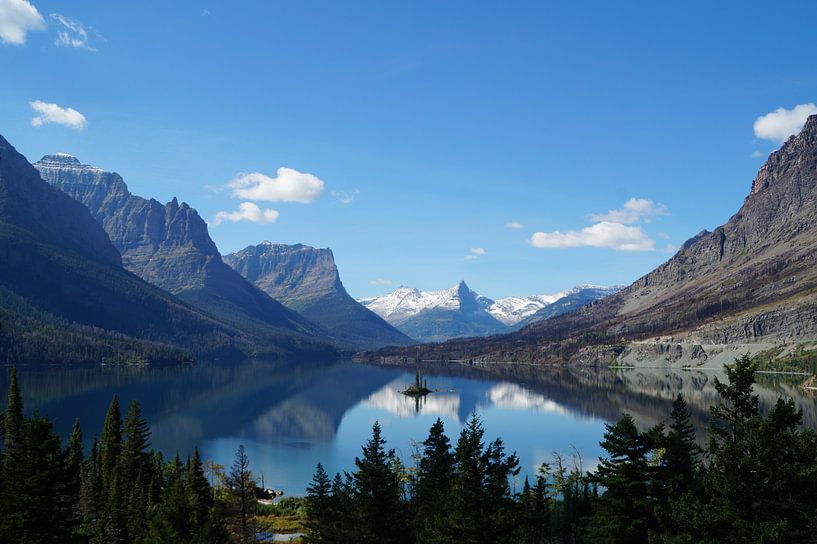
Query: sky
{"x": 523, "y": 147}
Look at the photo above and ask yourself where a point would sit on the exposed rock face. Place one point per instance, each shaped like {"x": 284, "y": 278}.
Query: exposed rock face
{"x": 64, "y": 297}
{"x": 293, "y": 274}
{"x": 168, "y": 245}
{"x": 306, "y": 279}
{"x": 743, "y": 280}
{"x": 27, "y": 202}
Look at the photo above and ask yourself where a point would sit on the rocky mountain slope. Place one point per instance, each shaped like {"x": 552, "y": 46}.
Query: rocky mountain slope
{"x": 435, "y": 316}
{"x": 306, "y": 279}
{"x": 169, "y": 246}
{"x": 751, "y": 280}
{"x": 65, "y": 298}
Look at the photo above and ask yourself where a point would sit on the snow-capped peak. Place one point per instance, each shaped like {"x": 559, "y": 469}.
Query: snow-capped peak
{"x": 405, "y": 302}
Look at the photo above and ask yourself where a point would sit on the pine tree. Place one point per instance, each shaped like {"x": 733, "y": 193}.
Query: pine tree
{"x": 533, "y": 523}
{"x": 681, "y": 457}
{"x": 136, "y": 440}
{"x": 433, "y": 483}
{"x": 345, "y": 513}
{"x": 14, "y": 457}
{"x": 378, "y": 493}
{"x": 625, "y": 513}
{"x": 467, "y": 522}
{"x": 320, "y": 509}
{"x": 37, "y": 506}
{"x": 242, "y": 489}
{"x": 13, "y": 420}
{"x": 110, "y": 444}
{"x": 200, "y": 492}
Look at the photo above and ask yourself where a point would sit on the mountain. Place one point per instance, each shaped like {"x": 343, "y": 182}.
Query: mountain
{"x": 169, "y": 246}
{"x": 570, "y": 300}
{"x": 435, "y": 316}
{"x": 751, "y": 282}
{"x": 306, "y": 279}
{"x": 65, "y": 298}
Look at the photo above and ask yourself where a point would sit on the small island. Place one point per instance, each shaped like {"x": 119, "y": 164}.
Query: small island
{"x": 419, "y": 388}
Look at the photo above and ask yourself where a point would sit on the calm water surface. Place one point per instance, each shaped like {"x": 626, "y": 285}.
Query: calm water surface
{"x": 290, "y": 416}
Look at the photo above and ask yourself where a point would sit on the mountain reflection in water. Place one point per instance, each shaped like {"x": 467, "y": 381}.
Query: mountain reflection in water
{"x": 292, "y": 415}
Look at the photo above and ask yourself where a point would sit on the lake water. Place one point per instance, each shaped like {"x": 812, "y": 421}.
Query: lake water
{"x": 291, "y": 416}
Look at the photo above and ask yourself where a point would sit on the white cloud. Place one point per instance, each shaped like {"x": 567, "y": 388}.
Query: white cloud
{"x": 288, "y": 186}
{"x": 782, "y": 123}
{"x": 52, "y": 113}
{"x": 17, "y": 19}
{"x": 71, "y": 33}
{"x": 633, "y": 211}
{"x": 475, "y": 253}
{"x": 605, "y": 234}
{"x": 247, "y": 211}
{"x": 345, "y": 197}
{"x": 380, "y": 281}
{"x": 757, "y": 154}
{"x": 514, "y": 225}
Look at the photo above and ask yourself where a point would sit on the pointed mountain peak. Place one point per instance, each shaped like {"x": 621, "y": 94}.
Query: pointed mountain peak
{"x": 798, "y": 151}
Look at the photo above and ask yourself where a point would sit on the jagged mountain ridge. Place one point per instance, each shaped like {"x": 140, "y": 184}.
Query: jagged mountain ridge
{"x": 459, "y": 311}
{"x": 307, "y": 280}
{"x": 169, "y": 246}
{"x": 64, "y": 297}
{"x": 753, "y": 278}
{"x": 434, "y": 316}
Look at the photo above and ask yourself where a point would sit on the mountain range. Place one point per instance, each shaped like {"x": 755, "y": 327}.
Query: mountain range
{"x": 65, "y": 297}
{"x": 751, "y": 282}
{"x": 307, "y": 280}
{"x": 435, "y": 316}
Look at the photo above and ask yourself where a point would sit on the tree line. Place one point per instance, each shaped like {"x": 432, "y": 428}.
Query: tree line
{"x": 754, "y": 481}
{"x": 121, "y": 492}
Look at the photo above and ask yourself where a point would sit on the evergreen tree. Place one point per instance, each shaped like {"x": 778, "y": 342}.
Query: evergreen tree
{"x": 110, "y": 444}
{"x": 378, "y": 493}
{"x": 320, "y": 509}
{"x": 13, "y": 419}
{"x": 681, "y": 457}
{"x": 499, "y": 505}
{"x": 533, "y": 523}
{"x": 467, "y": 521}
{"x": 435, "y": 470}
{"x": 625, "y": 513}
{"x": 345, "y": 514}
{"x": 199, "y": 490}
{"x": 242, "y": 490}
{"x": 36, "y": 506}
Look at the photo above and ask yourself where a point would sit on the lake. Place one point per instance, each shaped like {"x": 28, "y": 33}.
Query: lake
{"x": 290, "y": 416}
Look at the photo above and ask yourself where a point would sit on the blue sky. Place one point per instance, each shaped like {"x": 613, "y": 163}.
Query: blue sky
{"x": 442, "y": 122}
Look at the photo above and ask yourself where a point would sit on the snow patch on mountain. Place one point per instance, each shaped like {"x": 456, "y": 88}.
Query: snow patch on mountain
{"x": 406, "y": 302}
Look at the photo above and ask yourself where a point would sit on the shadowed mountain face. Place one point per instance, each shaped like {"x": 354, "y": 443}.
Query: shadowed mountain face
{"x": 64, "y": 297}
{"x": 753, "y": 279}
{"x": 169, "y": 246}
{"x": 306, "y": 279}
